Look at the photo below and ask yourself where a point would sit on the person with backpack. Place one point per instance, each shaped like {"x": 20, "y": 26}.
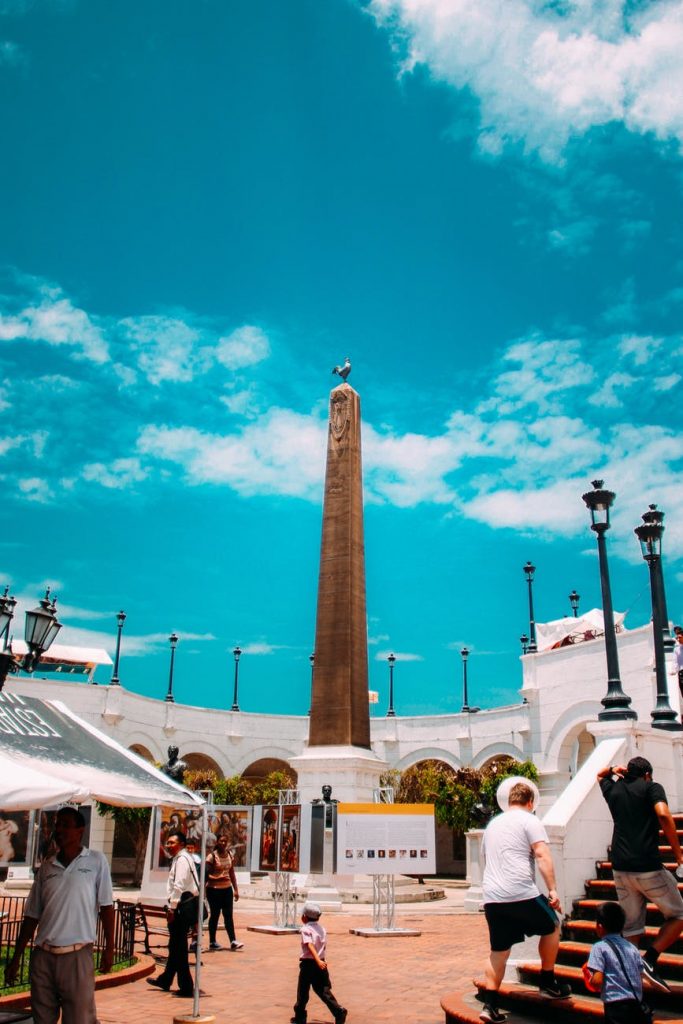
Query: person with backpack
{"x": 615, "y": 968}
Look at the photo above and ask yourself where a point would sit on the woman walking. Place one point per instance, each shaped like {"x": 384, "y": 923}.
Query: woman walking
{"x": 221, "y": 884}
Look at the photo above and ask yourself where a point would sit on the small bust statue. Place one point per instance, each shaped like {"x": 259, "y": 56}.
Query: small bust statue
{"x": 328, "y": 804}
{"x": 175, "y": 768}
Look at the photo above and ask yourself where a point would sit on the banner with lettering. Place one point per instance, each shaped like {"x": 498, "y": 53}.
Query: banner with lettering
{"x": 48, "y": 755}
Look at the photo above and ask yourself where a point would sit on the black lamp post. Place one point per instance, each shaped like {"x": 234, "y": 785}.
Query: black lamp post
{"x": 616, "y": 703}
{"x": 650, "y": 537}
{"x": 120, "y": 619}
{"x": 236, "y": 655}
{"x": 311, "y": 658}
{"x": 7, "y": 606}
{"x": 464, "y": 654}
{"x": 392, "y": 661}
{"x": 529, "y": 571}
{"x": 173, "y": 641}
{"x": 574, "y": 599}
{"x": 524, "y": 641}
{"x": 40, "y": 630}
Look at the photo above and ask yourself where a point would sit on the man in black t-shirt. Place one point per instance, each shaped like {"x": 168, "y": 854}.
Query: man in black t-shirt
{"x": 639, "y": 809}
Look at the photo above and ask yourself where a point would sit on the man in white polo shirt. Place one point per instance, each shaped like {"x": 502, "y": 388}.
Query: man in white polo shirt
{"x": 69, "y": 891}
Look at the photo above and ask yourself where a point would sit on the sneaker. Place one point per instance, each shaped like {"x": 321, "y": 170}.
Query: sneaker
{"x": 492, "y": 1014}
{"x": 236, "y": 945}
{"x": 193, "y": 947}
{"x": 215, "y": 945}
{"x": 654, "y": 977}
{"x": 555, "y": 989}
{"x": 343, "y": 1014}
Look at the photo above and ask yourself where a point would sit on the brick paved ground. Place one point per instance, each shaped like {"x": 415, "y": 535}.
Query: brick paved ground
{"x": 379, "y": 979}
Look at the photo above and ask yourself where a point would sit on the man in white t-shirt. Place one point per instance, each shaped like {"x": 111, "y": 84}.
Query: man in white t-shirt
{"x": 515, "y": 843}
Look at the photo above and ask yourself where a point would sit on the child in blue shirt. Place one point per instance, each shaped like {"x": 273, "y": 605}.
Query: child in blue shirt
{"x": 615, "y": 965}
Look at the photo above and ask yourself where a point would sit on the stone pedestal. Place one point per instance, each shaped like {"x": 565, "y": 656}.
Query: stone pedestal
{"x": 352, "y": 772}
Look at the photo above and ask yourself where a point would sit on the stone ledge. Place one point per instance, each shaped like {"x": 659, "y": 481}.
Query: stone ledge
{"x": 145, "y": 965}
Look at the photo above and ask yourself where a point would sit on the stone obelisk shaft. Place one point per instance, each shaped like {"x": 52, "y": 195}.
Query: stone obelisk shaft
{"x": 339, "y": 706}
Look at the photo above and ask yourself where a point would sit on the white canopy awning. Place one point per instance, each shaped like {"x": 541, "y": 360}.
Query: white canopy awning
{"x": 48, "y": 755}
{"x": 570, "y": 630}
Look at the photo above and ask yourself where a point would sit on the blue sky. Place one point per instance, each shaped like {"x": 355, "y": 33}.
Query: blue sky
{"x": 204, "y": 206}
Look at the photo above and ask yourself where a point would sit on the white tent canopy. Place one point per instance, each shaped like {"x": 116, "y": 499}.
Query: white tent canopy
{"x": 570, "y": 630}
{"x": 48, "y": 755}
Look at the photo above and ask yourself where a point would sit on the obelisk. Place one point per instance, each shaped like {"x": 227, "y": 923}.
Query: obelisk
{"x": 339, "y": 704}
{"x": 338, "y": 752}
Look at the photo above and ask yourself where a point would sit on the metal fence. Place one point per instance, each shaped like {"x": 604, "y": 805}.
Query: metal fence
{"x": 11, "y": 916}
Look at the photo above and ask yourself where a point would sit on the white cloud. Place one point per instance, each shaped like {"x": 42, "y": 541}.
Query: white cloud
{"x": 282, "y": 452}
{"x": 400, "y": 656}
{"x": 118, "y": 474}
{"x": 56, "y": 321}
{"x": 545, "y": 73}
{"x": 260, "y": 648}
{"x": 246, "y": 346}
{"x": 35, "y": 489}
{"x": 167, "y": 348}
{"x": 606, "y": 395}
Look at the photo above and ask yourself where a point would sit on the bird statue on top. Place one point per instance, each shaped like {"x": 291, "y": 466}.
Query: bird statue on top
{"x": 344, "y": 370}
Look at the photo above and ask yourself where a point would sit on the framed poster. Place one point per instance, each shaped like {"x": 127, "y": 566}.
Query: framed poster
{"x": 235, "y": 822}
{"x": 386, "y": 839}
{"x": 290, "y": 838}
{"x": 44, "y": 845}
{"x": 268, "y": 843}
{"x": 15, "y": 834}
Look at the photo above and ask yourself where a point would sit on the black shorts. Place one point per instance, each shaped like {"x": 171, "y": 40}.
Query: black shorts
{"x": 509, "y": 923}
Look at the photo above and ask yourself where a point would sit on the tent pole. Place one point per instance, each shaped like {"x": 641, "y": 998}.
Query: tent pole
{"x": 200, "y": 913}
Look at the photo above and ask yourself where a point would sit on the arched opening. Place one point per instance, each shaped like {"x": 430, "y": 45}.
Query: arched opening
{"x": 258, "y": 770}
{"x": 202, "y": 762}
{"x": 142, "y": 751}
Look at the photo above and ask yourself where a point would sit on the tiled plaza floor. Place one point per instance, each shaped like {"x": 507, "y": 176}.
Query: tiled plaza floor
{"x": 378, "y": 979}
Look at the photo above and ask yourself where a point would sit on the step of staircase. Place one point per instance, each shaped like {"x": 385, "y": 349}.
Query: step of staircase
{"x": 526, "y": 1005}
{"x": 576, "y": 953}
{"x": 673, "y": 1000}
{"x": 587, "y": 909}
{"x": 605, "y": 889}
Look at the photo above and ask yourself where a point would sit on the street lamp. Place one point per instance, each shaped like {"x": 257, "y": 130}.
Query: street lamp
{"x": 574, "y": 599}
{"x": 392, "y": 661}
{"x": 120, "y": 618}
{"x": 529, "y": 571}
{"x": 654, "y": 518}
{"x": 7, "y": 606}
{"x": 236, "y": 655}
{"x": 173, "y": 641}
{"x": 616, "y": 703}
{"x": 524, "y": 641}
{"x": 650, "y": 537}
{"x": 311, "y": 658}
{"x": 464, "y": 654}
{"x": 40, "y": 630}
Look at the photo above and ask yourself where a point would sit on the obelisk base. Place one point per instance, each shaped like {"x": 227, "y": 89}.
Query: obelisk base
{"x": 352, "y": 772}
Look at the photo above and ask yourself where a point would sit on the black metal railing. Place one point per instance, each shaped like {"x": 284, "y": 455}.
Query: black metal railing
{"x": 11, "y": 916}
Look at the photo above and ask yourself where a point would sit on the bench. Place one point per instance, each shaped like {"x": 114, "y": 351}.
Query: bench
{"x": 149, "y": 917}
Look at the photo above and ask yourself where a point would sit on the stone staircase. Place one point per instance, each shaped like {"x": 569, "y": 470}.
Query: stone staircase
{"x": 524, "y": 1003}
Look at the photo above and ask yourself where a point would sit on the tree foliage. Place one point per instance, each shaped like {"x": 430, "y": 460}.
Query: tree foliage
{"x": 455, "y": 793}
{"x": 239, "y": 791}
{"x": 133, "y": 823}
